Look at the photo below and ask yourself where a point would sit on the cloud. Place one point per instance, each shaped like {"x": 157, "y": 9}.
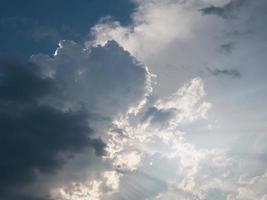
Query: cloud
{"x": 159, "y": 163}
{"x": 195, "y": 173}
{"x": 155, "y": 25}
{"x": 227, "y": 47}
{"x": 190, "y": 172}
{"x": 107, "y": 80}
{"x": 225, "y": 11}
{"x": 182, "y": 107}
{"x": 252, "y": 187}
{"x": 164, "y": 32}
{"x": 159, "y": 117}
{"x": 35, "y": 136}
{"x": 148, "y": 154}
{"x": 57, "y": 107}
{"x": 142, "y": 150}
{"x": 233, "y": 73}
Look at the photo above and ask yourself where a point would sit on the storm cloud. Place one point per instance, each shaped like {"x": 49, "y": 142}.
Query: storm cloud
{"x": 53, "y": 108}
{"x": 36, "y": 137}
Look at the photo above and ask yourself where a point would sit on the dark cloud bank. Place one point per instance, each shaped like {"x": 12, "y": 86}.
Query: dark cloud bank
{"x": 35, "y": 136}
{"x": 57, "y": 108}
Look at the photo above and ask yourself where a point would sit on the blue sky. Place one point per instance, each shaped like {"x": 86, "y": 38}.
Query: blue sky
{"x": 23, "y": 23}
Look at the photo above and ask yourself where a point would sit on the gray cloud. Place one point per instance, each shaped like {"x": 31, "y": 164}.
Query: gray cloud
{"x": 108, "y": 80}
{"x": 159, "y": 117}
{"x": 226, "y": 11}
{"x": 227, "y": 47}
{"x": 233, "y": 73}
{"x": 36, "y": 136}
{"x": 59, "y": 107}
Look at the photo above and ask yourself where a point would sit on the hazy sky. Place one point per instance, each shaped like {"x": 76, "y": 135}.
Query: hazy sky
{"x": 133, "y": 100}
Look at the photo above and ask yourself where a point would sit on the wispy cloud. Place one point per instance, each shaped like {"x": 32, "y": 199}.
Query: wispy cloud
{"x": 233, "y": 73}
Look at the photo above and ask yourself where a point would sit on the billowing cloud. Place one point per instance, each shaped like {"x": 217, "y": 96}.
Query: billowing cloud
{"x": 162, "y": 33}
{"x": 167, "y": 143}
{"x": 35, "y": 136}
{"x": 107, "y": 80}
{"x": 155, "y": 25}
{"x": 59, "y": 106}
{"x": 139, "y": 151}
{"x": 190, "y": 36}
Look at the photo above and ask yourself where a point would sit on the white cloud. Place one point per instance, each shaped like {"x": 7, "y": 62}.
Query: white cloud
{"x": 187, "y": 102}
{"x": 112, "y": 180}
{"x": 161, "y": 164}
{"x": 252, "y": 187}
{"x": 127, "y": 160}
{"x": 156, "y": 24}
{"x": 140, "y": 152}
{"x": 78, "y": 191}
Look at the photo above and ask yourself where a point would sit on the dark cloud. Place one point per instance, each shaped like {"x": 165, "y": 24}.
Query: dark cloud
{"x": 35, "y": 136}
{"x": 10, "y": 195}
{"x": 21, "y": 82}
{"x": 108, "y": 80}
{"x": 159, "y": 117}
{"x": 227, "y": 47}
{"x": 224, "y": 72}
{"x": 226, "y": 11}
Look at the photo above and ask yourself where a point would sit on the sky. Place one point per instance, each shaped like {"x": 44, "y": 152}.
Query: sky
{"x": 36, "y": 26}
{"x": 133, "y": 100}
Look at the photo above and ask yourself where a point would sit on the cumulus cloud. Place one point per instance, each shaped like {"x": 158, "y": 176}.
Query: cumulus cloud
{"x": 101, "y": 88}
{"x": 154, "y": 26}
{"x": 56, "y": 107}
{"x": 107, "y": 80}
{"x": 149, "y": 161}
{"x": 35, "y": 136}
{"x": 176, "y": 32}
{"x": 157, "y": 25}
{"x": 165, "y": 32}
